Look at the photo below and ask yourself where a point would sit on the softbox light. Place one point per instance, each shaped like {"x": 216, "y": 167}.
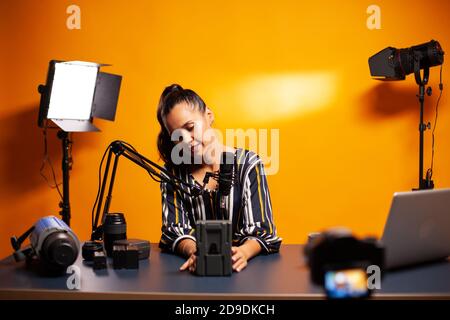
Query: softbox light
{"x": 75, "y": 93}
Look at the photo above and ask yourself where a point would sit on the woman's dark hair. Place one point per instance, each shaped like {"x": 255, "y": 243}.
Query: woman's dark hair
{"x": 171, "y": 96}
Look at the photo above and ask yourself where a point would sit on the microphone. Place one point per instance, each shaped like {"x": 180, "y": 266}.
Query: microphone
{"x": 226, "y": 178}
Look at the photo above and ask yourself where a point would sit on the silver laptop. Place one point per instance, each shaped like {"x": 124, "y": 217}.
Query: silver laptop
{"x": 418, "y": 228}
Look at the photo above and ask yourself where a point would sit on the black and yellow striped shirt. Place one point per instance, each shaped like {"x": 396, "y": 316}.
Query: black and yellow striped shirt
{"x": 249, "y": 204}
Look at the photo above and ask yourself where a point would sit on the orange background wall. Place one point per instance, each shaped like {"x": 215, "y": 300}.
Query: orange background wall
{"x": 346, "y": 142}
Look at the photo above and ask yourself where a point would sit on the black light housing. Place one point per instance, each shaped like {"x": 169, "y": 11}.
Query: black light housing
{"x": 395, "y": 64}
{"x": 75, "y": 92}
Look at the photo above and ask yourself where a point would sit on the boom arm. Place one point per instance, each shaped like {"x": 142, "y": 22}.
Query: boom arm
{"x": 117, "y": 149}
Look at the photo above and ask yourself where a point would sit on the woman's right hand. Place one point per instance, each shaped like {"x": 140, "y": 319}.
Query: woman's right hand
{"x": 190, "y": 264}
{"x": 187, "y": 248}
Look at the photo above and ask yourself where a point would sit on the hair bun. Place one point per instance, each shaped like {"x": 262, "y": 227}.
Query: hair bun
{"x": 172, "y": 88}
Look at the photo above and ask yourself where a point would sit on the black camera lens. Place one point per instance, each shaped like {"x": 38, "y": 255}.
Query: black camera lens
{"x": 114, "y": 228}
{"x": 89, "y": 248}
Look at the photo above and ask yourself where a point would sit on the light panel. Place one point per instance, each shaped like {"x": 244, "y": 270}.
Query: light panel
{"x": 72, "y": 91}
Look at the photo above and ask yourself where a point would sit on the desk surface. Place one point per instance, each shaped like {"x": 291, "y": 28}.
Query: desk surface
{"x": 278, "y": 276}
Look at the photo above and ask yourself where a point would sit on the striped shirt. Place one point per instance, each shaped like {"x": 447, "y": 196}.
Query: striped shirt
{"x": 249, "y": 206}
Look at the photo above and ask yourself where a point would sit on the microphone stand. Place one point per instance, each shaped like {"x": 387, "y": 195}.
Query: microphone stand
{"x": 116, "y": 150}
{"x": 214, "y": 237}
{"x": 221, "y": 208}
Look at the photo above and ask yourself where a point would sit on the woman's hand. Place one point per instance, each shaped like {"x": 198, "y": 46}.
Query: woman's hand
{"x": 187, "y": 248}
{"x": 190, "y": 264}
{"x": 238, "y": 258}
{"x": 241, "y": 255}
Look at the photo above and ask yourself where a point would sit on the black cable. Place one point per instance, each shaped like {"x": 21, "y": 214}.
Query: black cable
{"x": 99, "y": 184}
{"x": 100, "y": 176}
{"x": 70, "y": 150}
{"x": 154, "y": 179}
{"x": 143, "y": 162}
{"x": 441, "y": 88}
{"x": 140, "y": 159}
{"x": 46, "y": 159}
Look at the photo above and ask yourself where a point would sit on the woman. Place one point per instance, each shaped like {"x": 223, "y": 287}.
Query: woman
{"x": 184, "y": 115}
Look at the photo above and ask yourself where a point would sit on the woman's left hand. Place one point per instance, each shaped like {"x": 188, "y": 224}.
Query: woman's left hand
{"x": 238, "y": 258}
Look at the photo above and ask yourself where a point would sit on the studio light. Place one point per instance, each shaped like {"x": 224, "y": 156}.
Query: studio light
{"x": 75, "y": 92}
{"x": 51, "y": 241}
{"x": 395, "y": 64}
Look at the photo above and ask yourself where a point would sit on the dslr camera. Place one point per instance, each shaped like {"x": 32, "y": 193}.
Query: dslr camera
{"x": 340, "y": 262}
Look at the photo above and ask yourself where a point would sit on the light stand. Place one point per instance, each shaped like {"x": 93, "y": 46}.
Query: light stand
{"x": 426, "y": 183}
{"x": 392, "y": 64}
{"x": 66, "y": 167}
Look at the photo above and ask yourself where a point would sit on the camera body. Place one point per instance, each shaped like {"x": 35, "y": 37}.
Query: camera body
{"x": 338, "y": 249}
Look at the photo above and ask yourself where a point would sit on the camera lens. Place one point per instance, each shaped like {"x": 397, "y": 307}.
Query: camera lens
{"x": 89, "y": 248}
{"x": 114, "y": 228}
